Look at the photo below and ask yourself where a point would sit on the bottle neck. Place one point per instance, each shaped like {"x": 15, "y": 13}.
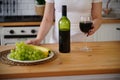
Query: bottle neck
{"x": 64, "y": 10}
{"x": 64, "y": 14}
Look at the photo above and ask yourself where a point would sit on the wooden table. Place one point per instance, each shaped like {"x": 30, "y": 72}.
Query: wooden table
{"x": 103, "y": 59}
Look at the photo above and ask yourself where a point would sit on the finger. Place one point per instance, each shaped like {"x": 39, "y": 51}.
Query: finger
{"x": 35, "y": 43}
{"x": 28, "y": 42}
{"x": 91, "y": 32}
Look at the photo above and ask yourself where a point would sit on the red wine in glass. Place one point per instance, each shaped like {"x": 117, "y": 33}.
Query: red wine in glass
{"x": 85, "y": 26}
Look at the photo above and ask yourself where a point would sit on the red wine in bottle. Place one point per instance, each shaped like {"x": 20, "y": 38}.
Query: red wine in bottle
{"x": 64, "y": 32}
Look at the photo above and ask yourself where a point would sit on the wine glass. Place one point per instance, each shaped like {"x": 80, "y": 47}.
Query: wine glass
{"x": 85, "y": 25}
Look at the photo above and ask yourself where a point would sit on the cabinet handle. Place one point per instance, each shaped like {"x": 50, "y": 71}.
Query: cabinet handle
{"x": 117, "y": 28}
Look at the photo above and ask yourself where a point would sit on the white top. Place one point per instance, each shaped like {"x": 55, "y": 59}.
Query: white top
{"x": 75, "y": 9}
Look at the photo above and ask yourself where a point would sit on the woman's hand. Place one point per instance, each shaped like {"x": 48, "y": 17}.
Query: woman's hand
{"x": 91, "y": 31}
{"x": 95, "y": 27}
{"x": 33, "y": 41}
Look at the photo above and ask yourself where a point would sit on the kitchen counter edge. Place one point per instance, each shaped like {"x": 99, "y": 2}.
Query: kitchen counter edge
{"x": 105, "y": 21}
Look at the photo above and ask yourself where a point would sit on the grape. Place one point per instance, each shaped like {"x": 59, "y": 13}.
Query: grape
{"x": 25, "y": 52}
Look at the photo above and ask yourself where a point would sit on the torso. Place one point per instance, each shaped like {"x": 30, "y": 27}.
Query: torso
{"x": 75, "y": 9}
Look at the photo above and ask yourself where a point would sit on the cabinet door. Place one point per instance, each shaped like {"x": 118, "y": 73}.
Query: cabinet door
{"x": 108, "y": 32}
{"x": 76, "y": 77}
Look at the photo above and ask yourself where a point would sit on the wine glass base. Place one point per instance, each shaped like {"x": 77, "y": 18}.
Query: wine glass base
{"x": 85, "y": 49}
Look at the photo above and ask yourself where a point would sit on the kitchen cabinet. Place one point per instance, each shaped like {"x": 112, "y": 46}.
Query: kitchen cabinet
{"x": 0, "y": 34}
{"x": 108, "y": 32}
{"x": 79, "y": 77}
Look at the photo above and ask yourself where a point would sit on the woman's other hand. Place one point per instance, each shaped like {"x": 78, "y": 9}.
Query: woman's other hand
{"x": 33, "y": 41}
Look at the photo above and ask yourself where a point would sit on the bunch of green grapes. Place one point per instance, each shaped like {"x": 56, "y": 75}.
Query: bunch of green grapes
{"x": 25, "y": 52}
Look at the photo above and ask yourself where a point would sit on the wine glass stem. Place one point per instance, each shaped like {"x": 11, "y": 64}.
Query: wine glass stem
{"x": 86, "y": 40}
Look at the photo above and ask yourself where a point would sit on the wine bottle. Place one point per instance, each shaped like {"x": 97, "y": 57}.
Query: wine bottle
{"x": 64, "y": 32}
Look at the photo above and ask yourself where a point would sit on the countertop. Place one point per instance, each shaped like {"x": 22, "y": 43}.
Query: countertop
{"x": 104, "y": 21}
{"x": 104, "y": 58}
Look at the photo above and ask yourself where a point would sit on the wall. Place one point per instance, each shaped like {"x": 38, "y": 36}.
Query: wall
{"x": 114, "y": 4}
{"x": 17, "y": 7}
{"x": 26, "y": 7}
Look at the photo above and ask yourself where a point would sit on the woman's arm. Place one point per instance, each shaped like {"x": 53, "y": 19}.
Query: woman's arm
{"x": 47, "y": 21}
{"x": 96, "y": 16}
{"x": 45, "y": 25}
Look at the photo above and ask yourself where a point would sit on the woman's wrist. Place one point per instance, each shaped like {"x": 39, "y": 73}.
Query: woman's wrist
{"x": 38, "y": 38}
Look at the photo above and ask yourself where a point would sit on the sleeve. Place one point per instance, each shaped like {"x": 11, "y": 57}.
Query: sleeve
{"x": 50, "y": 1}
{"x": 95, "y": 1}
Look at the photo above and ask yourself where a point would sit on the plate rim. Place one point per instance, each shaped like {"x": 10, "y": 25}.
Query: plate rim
{"x": 34, "y": 61}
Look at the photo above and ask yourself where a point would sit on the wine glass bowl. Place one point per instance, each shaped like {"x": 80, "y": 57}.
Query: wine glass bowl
{"x": 85, "y": 27}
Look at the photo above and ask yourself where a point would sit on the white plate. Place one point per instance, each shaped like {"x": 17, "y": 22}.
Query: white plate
{"x": 40, "y": 60}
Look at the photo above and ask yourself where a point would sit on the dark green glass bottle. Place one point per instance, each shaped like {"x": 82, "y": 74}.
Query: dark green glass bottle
{"x": 64, "y": 32}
